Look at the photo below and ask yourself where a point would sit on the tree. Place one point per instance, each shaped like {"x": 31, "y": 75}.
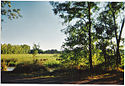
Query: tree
{"x": 3, "y": 48}
{"x": 9, "y": 49}
{"x": 115, "y": 9}
{"x": 107, "y": 29}
{"x": 26, "y": 48}
{"x": 104, "y": 32}
{"x": 14, "y": 49}
{"x": 35, "y": 49}
{"x": 80, "y": 13}
{"x": 52, "y": 51}
{"x": 35, "y": 52}
{"x": 6, "y": 10}
{"x": 90, "y": 54}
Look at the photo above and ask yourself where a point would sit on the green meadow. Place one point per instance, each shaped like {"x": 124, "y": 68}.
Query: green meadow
{"x": 51, "y": 58}
{"x": 28, "y": 58}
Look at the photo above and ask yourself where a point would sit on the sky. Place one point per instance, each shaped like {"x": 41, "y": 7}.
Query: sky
{"x": 38, "y": 25}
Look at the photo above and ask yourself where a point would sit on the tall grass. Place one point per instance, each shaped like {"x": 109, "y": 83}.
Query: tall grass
{"x": 22, "y": 58}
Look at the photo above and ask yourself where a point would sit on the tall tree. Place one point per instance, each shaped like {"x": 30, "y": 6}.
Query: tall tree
{"x": 90, "y": 53}
{"x": 104, "y": 32}
{"x": 25, "y": 48}
{"x": 80, "y": 13}
{"x": 35, "y": 49}
{"x": 3, "y": 48}
{"x": 115, "y": 9}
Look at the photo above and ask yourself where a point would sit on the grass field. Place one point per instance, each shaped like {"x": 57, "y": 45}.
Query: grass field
{"x": 28, "y": 58}
{"x": 51, "y": 59}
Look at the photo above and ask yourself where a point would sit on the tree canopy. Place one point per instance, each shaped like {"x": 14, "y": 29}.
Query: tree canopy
{"x": 8, "y": 11}
{"x": 91, "y": 29}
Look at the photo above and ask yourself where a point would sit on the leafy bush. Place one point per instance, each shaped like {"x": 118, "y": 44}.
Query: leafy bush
{"x": 35, "y": 52}
{"x": 3, "y": 65}
{"x": 10, "y": 61}
{"x": 74, "y": 58}
{"x": 29, "y": 68}
{"x": 54, "y": 65}
{"x": 12, "y": 64}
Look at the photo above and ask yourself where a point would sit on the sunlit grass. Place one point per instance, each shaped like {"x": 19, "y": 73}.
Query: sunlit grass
{"x": 24, "y": 58}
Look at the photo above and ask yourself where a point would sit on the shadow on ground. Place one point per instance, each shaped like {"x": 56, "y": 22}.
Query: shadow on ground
{"x": 62, "y": 76}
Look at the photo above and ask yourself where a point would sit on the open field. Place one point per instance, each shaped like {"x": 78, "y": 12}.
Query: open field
{"x": 47, "y": 59}
{"x": 22, "y": 58}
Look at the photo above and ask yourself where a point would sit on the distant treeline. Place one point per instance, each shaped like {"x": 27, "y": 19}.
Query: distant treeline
{"x": 14, "y": 49}
{"x": 52, "y": 51}
{"x": 23, "y": 49}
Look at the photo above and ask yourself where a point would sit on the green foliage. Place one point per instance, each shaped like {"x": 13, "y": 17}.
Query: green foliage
{"x": 74, "y": 57}
{"x": 87, "y": 33}
{"x": 35, "y": 52}
{"x": 8, "y": 62}
{"x": 6, "y": 10}
{"x": 24, "y": 49}
{"x": 78, "y": 17}
{"x": 3, "y": 65}
{"x": 12, "y": 64}
{"x": 116, "y": 9}
{"x": 14, "y": 49}
{"x": 35, "y": 49}
{"x": 52, "y": 51}
{"x": 88, "y": 21}
{"x": 29, "y": 68}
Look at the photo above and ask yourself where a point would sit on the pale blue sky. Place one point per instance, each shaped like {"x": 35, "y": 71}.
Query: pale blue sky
{"x": 38, "y": 25}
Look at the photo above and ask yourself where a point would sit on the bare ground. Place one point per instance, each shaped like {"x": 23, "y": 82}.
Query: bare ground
{"x": 81, "y": 77}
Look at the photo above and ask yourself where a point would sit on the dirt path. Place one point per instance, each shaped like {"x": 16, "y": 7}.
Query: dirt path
{"x": 115, "y": 78}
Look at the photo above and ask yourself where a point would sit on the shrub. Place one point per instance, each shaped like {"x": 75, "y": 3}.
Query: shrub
{"x": 3, "y": 65}
{"x": 54, "y": 65}
{"x": 29, "y": 68}
{"x": 35, "y": 52}
{"x": 12, "y": 64}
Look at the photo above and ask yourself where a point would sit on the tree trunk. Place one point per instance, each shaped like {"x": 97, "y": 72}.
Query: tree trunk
{"x": 117, "y": 48}
{"x": 90, "y": 53}
{"x": 118, "y": 55}
{"x": 119, "y": 59}
{"x": 105, "y": 57}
